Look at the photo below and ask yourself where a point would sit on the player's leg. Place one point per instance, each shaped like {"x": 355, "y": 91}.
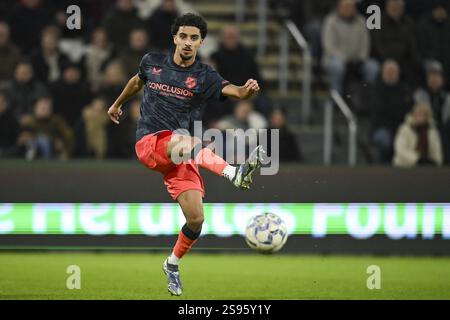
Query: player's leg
{"x": 192, "y": 206}
{"x": 182, "y": 148}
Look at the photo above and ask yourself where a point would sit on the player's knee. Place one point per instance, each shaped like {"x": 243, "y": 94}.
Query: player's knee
{"x": 191, "y": 143}
{"x": 195, "y": 223}
{"x": 179, "y": 149}
{"x": 188, "y": 148}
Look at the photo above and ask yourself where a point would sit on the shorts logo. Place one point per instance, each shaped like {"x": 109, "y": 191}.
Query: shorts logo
{"x": 191, "y": 82}
{"x": 156, "y": 71}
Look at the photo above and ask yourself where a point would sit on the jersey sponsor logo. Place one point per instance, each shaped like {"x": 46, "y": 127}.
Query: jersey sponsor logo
{"x": 156, "y": 71}
{"x": 180, "y": 92}
{"x": 191, "y": 82}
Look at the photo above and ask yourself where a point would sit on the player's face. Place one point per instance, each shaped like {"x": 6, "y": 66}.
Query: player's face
{"x": 187, "y": 41}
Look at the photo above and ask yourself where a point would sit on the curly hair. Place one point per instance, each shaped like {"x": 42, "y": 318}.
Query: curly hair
{"x": 190, "y": 20}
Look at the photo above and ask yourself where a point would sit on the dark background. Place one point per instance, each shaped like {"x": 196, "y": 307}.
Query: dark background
{"x": 131, "y": 182}
{"x": 43, "y": 181}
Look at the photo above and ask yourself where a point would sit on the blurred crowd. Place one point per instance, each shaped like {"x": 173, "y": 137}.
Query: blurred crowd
{"x": 393, "y": 77}
{"x": 56, "y": 84}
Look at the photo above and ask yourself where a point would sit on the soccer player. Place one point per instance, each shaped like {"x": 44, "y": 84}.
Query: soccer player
{"x": 177, "y": 87}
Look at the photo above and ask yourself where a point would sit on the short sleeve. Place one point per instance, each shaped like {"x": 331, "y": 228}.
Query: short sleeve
{"x": 143, "y": 66}
{"x": 214, "y": 83}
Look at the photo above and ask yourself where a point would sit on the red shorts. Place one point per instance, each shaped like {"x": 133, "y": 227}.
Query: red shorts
{"x": 151, "y": 151}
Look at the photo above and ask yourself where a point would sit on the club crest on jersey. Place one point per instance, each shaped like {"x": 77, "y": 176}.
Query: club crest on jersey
{"x": 191, "y": 82}
{"x": 156, "y": 71}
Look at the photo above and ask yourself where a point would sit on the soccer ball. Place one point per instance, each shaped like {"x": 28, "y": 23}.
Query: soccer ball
{"x": 266, "y": 233}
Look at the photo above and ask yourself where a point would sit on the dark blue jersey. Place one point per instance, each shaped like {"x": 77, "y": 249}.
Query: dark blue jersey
{"x": 174, "y": 97}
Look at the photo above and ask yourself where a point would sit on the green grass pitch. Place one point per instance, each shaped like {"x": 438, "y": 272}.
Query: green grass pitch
{"x": 222, "y": 276}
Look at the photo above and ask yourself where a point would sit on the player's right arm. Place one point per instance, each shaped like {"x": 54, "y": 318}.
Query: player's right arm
{"x": 133, "y": 86}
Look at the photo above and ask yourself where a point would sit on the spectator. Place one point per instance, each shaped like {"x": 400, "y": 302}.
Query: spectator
{"x": 28, "y": 144}
{"x": 395, "y": 40}
{"x": 93, "y": 11}
{"x": 98, "y": 54}
{"x": 95, "y": 122}
{"x": 233, "y": 60}
{"x": 47, "y": 135}
{"x": 112, "y": 82}
{"x": 61, "y": 16}
{"x": 131, "y": 57}
{"x": 9, "y": 54}
{"x": 390, "y": 101}
{"x": 49, "y": 61}
{"x": 417, "y": 141}
{"x": 236, "y": 64}
{"x": 27, "y": 20}
{"x": 346, "y": 42}
{"x": 112, "y": 85}
{"x": 121, "y": 139}
{"x": 70, "y": 94}
{"x": 288, "y": 147}
{"x": 119, "y": 22}
{"x": 23, "y": 90}
{"x": 216, "y": 110}
{"x": 244, "y": 117}
{"x": 435, "y": 95}
{"x": 9, "y": 128}
{"x": 159, "y": 25}
{"x": 434, "y": 36}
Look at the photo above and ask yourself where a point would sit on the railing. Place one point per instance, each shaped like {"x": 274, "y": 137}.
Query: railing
{"x": 240, "y": 12}
{"x": 289, "y": 28}
{"x": 336, "y": 98}
{"x": 262, "y": 28}
{"x": 307, "y": 68}
{"x": 239, "y": 17}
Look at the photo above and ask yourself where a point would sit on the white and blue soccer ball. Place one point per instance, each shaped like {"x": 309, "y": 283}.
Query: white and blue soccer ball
{"x": 266, "y": 233}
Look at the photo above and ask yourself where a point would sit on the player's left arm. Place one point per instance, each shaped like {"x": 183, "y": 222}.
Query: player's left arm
{"x": 248, "y": 90}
